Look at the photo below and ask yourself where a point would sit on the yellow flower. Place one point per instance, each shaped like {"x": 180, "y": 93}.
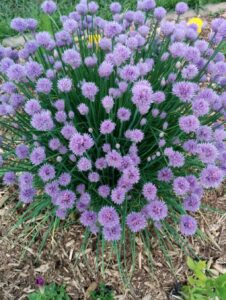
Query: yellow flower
{"x": 91, "y": 38}
{"x": 198, "y": 22}
{"x": 94, "y": 38}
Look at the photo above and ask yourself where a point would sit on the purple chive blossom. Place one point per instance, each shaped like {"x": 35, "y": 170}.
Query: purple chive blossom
{"x": 159, "y": 13}
{"x": 159, "y": 97}
{"x": 27, "y": 195}
{"x": 64, "y": 179}
{"x": 70, "y": 26}
{"x": 113, "y": 233}
{"x": 59, "y": 104}
{"x": 9, "y": 178}
{"x": 106, "y": 147}
{"x": 167, "y": 27}
{"x": 93, "y": 177}
{"x": 121, "y": 54}
{"x": 101, "y": 163}
{"x": 33, "y": 70}
{"x": 49, "y": 7}
{"x": 108, "y": 217}
{"x": 134, "y": 135}
{"x": 192, "y": 203}
{"x": 157, "y": 210}
{"x": 177, "y": 49}
{"x": 88, "y": 218}
{"x": 111, "y": 29}
{"x": 219, "y": 134}
{"x": 44, "y": 85}
{"x": 32, "y": 106}
{"x": 72, "y": 58}
{"x": 61, "y": 116}
{"x": 83, "y": 109}
{"x": 92, "y": 7}
{"x": 211, "y": 177}
{"x": 184, "y": 90}
{"x": 118, "y": 195}
{"x": 115, "y": 7}
{"x": 107, "y": 103}
{"x": 104, "y": 191}
{"x": 42, "y": 121}
{"x": 189, "y": 72}
{"x": 46, "y": 172}
{"x": 176, "y": 159}
{"x": 64, "y": 85}
{"x": 188, "y": 225}
{"x": 105, "y": 44}
{"x": 165, "y": 175}
{"x": 105, "y": 69}
{"x": 190, "y": 146}
{"x": 61, "y": 213}
{"x": 85, "y": 198}
{"x": 123, "y": 114}
{"x": 18, "y": 24}
{"x": 31, "y": 24}
{"x": 40, "y": 281}
{"x": 107, "y": 127}
{"x": 149, "y": 191}
{"x": 37, "y": 156}
{"x": 54, "y": 144}
{"x": 200, "y": 107}
{"x": 207, "y": 153}
{"x": 181, "y": 8}
{"x": 25, "y": 180}
{"x": 66, "y": 199}
{"x": 68, "y": 131}
{"x": 148, "y": 5}
{"x": 8, "y": 87}
{"x": 180, "y": 186}
{"x": 79, "y": 144}
{"x": 114, "y": 159}
{"x": 5, "y": 64}
{"x": 84, "y": 164}
{"x": 89, "y": 90}
{"x": 189, "y": 124}
{"x": 129, "y": 73}
{"x": 90, "y": 61}
{"x": 52, "y": 188}
{"x": 136, "y": 221}
{"x": 16, "y": 72}
{"x": 142, "y": 95}
{"x": 131, "y": 175}
{"x": 22, "y": 151}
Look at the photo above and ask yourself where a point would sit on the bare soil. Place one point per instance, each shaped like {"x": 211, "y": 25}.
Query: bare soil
{"x": 61, "y": 262}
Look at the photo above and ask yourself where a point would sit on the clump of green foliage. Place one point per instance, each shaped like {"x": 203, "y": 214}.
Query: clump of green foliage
{"x": 50, "y": 292}
{"x": 202, "y": 285}
{"x": 102, "y": 293}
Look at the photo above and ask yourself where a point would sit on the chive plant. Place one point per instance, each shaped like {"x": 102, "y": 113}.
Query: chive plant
{"x": 119, "y": 121}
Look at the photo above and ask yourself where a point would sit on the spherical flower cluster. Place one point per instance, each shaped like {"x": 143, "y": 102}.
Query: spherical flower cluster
{"x": 120, "y": 120}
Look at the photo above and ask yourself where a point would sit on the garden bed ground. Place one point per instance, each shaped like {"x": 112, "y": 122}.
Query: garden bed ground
{"x": 57, "y": 262}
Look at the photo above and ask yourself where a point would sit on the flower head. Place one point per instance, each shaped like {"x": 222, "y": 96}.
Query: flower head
{"x": 108, "y": 217}
{"x": 188, "y": 225}
{"x": 136, "y": 221}
{"x": 157, "y": 210}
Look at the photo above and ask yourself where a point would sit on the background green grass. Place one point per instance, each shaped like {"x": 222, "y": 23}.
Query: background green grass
{"x": 31, "y": 8}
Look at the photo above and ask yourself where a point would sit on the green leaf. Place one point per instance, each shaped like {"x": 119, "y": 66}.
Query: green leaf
{"x": 191, "y": 264}
{"x": 45, "y": 23}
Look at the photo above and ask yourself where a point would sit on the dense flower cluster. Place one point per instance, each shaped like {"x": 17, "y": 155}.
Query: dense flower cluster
{"x": 120, "y": 120}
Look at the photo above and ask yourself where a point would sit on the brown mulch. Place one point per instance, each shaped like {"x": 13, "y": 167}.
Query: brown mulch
{"x": 61, "y": 261}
